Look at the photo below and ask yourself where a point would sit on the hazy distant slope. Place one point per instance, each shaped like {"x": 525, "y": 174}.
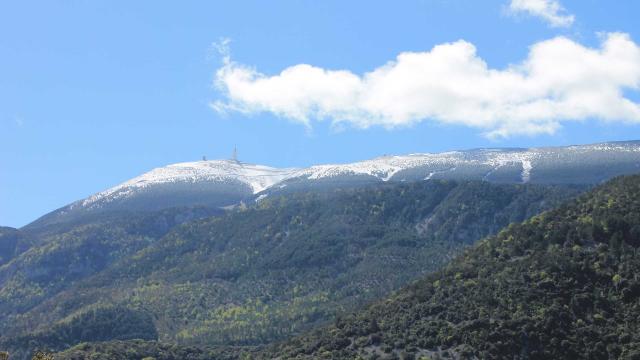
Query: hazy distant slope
{"x": 13, "y": 242}
{"x": 55, "y": 261}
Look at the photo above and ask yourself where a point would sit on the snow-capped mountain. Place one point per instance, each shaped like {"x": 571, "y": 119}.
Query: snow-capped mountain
{"x": 243, "y": 178}
{"x": 584, "y": 164}
{"x": 221, "y": 183}
{"x": 214, "y": 183}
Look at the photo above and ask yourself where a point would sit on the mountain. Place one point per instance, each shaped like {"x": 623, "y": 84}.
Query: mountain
{"x": 217, "y": 183}
{"x": 228, "y": 253}
{"x": 255, "y": 274}
{"x": 223, "y": 183}
{"x": 561, "y": 285}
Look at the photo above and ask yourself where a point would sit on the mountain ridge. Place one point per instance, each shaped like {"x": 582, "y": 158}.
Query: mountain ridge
{"x": 560, "y": 285}
{"x": 224, "y": 183}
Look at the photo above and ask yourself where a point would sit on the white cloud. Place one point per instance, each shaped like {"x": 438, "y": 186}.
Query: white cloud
{"x": 559, "y": 81}
{"x": 549, "y": 10}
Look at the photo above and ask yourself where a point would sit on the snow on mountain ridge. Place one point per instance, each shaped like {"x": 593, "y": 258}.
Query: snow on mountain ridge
{"x": 223, "y": 184}
{"x": 258, "y": 177}
{"x": 383, "y": 167}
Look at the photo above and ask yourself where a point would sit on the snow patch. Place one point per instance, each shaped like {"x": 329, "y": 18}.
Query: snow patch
{"x": 526, "y": 170}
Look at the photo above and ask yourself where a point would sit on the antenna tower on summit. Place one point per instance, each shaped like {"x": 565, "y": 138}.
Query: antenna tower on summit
{"x": 234, "y": 155}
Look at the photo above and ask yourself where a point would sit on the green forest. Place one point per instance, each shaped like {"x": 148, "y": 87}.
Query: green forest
{"x": 562, "y": 285}
{"x": 254, "y": 275}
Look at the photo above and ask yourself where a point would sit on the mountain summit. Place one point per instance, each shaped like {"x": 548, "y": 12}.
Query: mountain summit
{"x": 221, "y": 183}
{"x": 189, "y": 176}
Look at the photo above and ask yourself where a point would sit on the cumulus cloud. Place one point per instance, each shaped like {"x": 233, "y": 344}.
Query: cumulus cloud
{"x": 559, "y": 81}
{"x": 549, "y": 10}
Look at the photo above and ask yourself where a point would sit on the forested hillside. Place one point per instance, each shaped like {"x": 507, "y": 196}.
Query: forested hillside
{"x": 148, "y": 350}
{"x": 264, "y": 273}
{"x": 39, "y": 263}
{"x": 562, "y": 285}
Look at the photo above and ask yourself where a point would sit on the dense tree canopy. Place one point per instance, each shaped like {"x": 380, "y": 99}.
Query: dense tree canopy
{"x": 562, "y": 285}
{"x": 261, "y": 273}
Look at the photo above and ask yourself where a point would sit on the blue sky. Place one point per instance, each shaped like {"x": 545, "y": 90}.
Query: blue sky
{"x": 95, "y": 92}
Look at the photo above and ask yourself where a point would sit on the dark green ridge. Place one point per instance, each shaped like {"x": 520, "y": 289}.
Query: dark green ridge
{"x": 562, "y": 285}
